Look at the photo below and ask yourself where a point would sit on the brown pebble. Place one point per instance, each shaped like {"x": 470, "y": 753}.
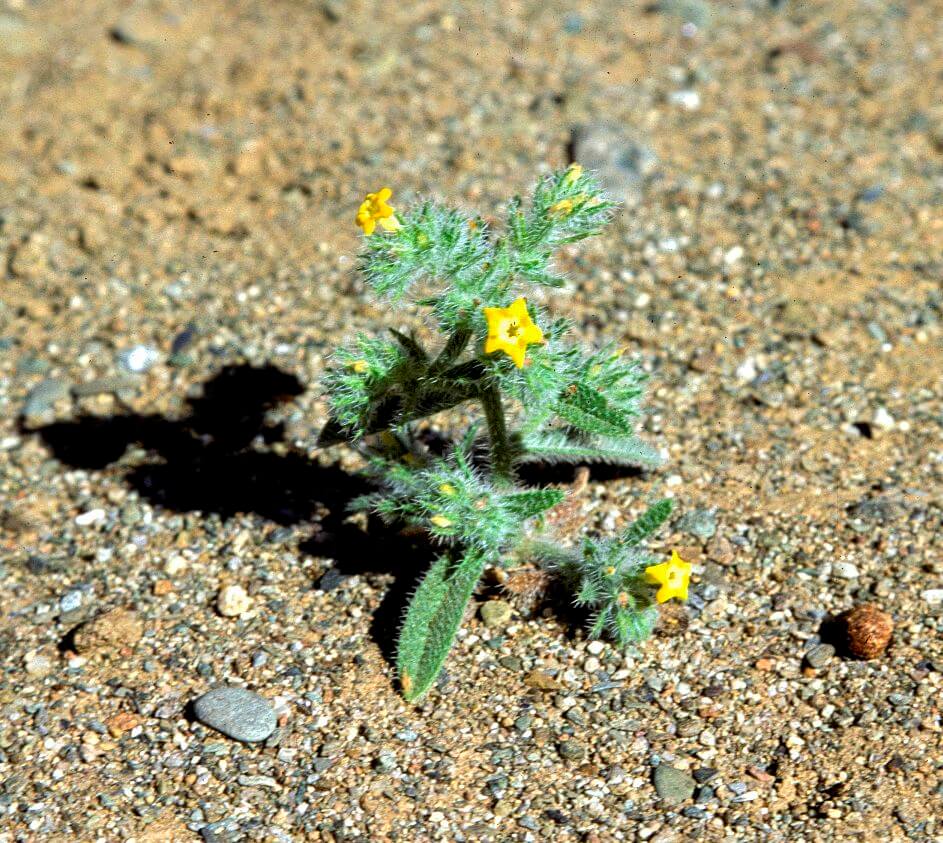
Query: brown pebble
{"x": 542, "y": 681}
{"x": 764, "y": 664}
{"x": 162, "y": 587}
{"x": 868, "y": 631}
{"x": 114, "y": 630}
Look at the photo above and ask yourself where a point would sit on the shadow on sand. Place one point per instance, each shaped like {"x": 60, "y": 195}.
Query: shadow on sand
{"x": 219, "y": 458}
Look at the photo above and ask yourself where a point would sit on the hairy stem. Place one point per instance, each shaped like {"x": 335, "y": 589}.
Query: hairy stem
{"x": 501, "y": 453}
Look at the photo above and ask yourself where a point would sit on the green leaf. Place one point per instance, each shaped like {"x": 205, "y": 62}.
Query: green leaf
{"x": 634, "y": 626}
{"x": 583, "y": 408}
{"x": 556, "y": 447}
{"x": 532, "y": 502}
{"x": 432, "y": 620}
{"x": 651, "y": 520}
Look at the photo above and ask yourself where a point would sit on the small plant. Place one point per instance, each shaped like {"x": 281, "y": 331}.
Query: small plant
{"x": 542, "y": 400}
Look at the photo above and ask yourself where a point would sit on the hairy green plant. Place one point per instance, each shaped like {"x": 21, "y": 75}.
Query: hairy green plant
{"x": 541, "y": 398}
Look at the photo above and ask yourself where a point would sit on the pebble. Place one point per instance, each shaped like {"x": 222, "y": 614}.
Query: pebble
{"x": 233, "y": 601}
{"x": 845, "y": 570}
{"x": 868, "y": 630}
{"x": 672, "y": 785}
{"x": 620, "y": 161}
{"x": 933, "y": 596}
{"x": 139, "y": 359}
{"x": 595, "y": 648}
{"x": 38, "y": 664}
{"x": 109, "y": 631}
{"x": 44, "y": 395}
{"x": 92, "y": 516}
{"x": 883, "y": 420}
{"x": 687, "y": 99}
{"x": 496, "y": 614}
{"x": 820, "y": 655}
{"x": 71, "y": 600}
{"x": 700, "y": 523}
{"x": 238, "y": 713}
{"x": 571, "y": 750}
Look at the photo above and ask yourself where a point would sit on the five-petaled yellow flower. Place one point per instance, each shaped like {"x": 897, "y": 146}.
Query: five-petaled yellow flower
{"x": 573, "y": 172}
{"x": 673, "y": 576}
{"x": 511, "y": 330}
{"x": 374, "y": 210}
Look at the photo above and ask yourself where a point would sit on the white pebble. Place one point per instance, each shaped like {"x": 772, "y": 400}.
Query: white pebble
{"x": 233, "y": 601}
{"x": 732, "y": 255}
{"x": 933, "y": 596}
{"x": 883, "y": 419}
{"x": 594, "y": 648}
{"x": 92, "y": 516}
{"x": 591, "y": 665}
{"x": 845, "y": 570}
{"x": 177, "y": 564}
{"x": 746, "y": 371}
{"x": 686, "y": 99}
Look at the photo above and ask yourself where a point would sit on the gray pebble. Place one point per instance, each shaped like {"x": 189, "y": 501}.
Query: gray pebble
{"x": 700, "y": 523}
{"x": 619, "y": 161}
{"x": 820, "y": 655}
{"x": 672, "y": 785}
{"x": 236, "y": 712}
{"x": 42, "y": 396}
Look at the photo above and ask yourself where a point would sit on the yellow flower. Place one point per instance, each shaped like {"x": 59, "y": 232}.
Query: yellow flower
{"x": 673, "y": 576}
{"x": 511, "y": 330}
{"x": 360, "y": 366}
{"x": 441, "y": 521}
{"x": 574, "y": 171}
{"x": 447, "y": 489}
{"x": 374, "y": 210}
{"x": 563, "y": 208}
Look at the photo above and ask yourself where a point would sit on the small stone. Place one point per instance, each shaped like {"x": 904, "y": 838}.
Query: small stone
{"x": 71, "y": 600}
{"x": 820, "y": 655}
{"x": 595, "y": 648}
{"x": 175, "y": 565}
{"x": 92, "y": 516}
{"x": 238, "y": 713}
{"x": 109, "y": 631}
{"x": 621, "y": 162}
{"x": 591, "y": 665}
{"x": 845, "y": 570}
{"x": 672, "y": 785}
{"x": 868, "y": 631}
{"x": 233, "y": 601}
{"x": 38, "y": 664}
{"x": 704, "y": 774}
{"x": 933, "y": 596}
{"x": 687, "y": 99}
{"x": 495, "y": 614}
{"x": 542, "y": 681}
{"x": 44, "y": 395}
{"x": 139, "y": 359}
{"x": 331, "y": 579}
{"x": 883, "y": 419}
{"x": 163, "y": 587}
{"x": 700, "y": 523}
{"x": 571, "y": 750}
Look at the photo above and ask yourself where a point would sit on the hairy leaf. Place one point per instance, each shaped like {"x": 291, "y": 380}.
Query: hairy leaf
{"x": 432, "y": 620}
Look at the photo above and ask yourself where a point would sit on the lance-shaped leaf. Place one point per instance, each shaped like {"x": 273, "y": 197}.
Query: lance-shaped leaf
{"x": 588, "y": 410}
{"x": 653, "y": 517}
{"x": 432, "y": 620}
{"x": 556, "y": 447}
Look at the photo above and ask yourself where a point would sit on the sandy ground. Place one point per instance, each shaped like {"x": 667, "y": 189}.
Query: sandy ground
{"x": 178, "y": 180}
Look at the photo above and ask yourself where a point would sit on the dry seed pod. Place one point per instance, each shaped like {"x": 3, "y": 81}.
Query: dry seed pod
{"x": 869, "y": 631}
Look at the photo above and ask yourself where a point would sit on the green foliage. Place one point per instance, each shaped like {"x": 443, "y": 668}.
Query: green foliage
{"x": 541, "y": 398}
{"x": 433, "y": 618}
{"x": 608, "y": 579}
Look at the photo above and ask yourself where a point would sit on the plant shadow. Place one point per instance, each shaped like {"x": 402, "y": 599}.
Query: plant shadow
{"x": 225, "y": 456}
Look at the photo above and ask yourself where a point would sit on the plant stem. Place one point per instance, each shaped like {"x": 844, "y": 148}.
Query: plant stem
{"x": 497, "y": 432}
